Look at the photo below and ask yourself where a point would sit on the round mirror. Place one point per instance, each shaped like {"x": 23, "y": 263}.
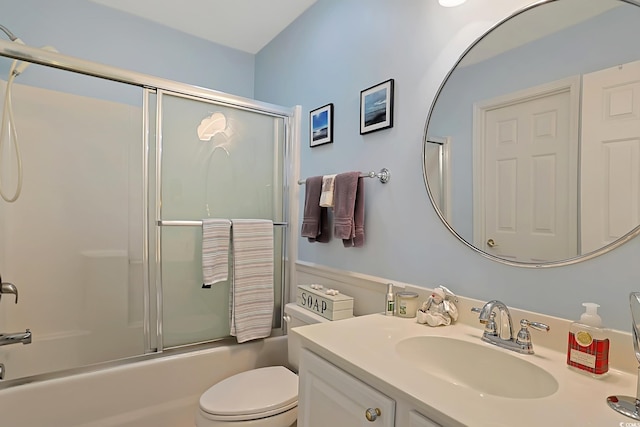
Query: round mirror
{"x": 532, "y": 144}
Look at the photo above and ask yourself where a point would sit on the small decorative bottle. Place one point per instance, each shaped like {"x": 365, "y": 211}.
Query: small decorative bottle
{"x": 390, "y": 301}
{"x": 588, "y": 349}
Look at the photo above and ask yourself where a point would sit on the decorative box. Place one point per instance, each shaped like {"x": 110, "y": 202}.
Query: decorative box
{"x": 332, "y": 307}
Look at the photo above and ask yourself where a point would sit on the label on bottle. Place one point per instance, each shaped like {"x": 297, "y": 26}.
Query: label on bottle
{"x": 588, "y": 354}
{"x": 585, "y": 359}
{"x": 584, "y": 338}
{"x": 391, "y": 306}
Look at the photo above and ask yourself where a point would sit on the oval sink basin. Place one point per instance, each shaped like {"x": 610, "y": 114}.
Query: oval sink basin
{"x": 479, "y": 367}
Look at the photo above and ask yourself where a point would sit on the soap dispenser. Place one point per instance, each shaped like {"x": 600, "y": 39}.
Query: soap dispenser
{"x": 588, "y": 349}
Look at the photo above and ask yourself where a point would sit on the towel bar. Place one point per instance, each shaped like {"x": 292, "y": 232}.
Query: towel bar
{"x": 384, "y": 176}
{"x": 197, "y": 223}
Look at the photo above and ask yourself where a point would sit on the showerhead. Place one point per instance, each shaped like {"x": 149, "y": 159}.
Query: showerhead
{"x": 18, "y": 67}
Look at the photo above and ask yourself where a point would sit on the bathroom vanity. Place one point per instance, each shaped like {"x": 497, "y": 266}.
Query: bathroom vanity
{"x": 395, "y": 372}
{"x": 335, "y": 397}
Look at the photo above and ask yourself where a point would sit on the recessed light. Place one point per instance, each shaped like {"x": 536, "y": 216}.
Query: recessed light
{"x": 451, "y": 3}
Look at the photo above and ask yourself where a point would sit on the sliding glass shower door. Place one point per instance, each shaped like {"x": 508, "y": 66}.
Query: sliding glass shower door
{"x": 213, "y": 161}
{"x": 104, "y": 242}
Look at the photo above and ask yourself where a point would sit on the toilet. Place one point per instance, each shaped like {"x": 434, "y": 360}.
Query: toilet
{"x": 263, "y": 397}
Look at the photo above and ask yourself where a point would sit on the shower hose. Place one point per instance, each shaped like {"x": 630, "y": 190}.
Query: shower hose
{"x": 8, "y": 120}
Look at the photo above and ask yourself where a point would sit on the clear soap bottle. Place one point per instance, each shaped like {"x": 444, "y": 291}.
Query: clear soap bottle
{"x": 588, "y": 346}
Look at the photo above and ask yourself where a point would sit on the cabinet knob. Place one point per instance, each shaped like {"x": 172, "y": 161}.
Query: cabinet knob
{"x": 372, "y": 414}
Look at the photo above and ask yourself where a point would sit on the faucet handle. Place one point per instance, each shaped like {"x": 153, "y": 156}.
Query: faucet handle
{"x": 8, "y": 288}
{"x": 535, "y": 325}
{"x": 524, "y": 336}
{"x": 490, "y": 327}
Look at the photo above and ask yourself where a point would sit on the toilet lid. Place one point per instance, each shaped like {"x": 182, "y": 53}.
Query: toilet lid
{"x": 264, "y": 392}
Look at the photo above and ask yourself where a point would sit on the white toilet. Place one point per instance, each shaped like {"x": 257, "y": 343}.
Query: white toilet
{"x": 263, "y": 397}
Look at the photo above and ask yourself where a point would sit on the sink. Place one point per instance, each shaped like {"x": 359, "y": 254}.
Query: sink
{"x": 485, "y": 369}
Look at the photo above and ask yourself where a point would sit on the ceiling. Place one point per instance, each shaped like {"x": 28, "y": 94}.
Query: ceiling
{"x": 527, "y": 27}
{"x": 247, "y": 25}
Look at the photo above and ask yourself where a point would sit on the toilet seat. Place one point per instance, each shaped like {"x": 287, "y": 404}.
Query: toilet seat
{"x": 248, "y": 395}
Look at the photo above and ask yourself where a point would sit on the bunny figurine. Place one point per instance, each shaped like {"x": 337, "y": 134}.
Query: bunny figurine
{"x": 438, "y": 309}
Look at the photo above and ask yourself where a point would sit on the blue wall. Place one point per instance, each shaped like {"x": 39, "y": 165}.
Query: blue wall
{"x": 97, "y": 33}
{"x": 340, "y": 47}
{"x": 332, "y": 52}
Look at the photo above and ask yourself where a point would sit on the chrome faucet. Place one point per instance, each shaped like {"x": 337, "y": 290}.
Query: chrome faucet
{"x": 494, "y": 333}
{"x": 18, "y": 337}
{"x": 486, "y": 316}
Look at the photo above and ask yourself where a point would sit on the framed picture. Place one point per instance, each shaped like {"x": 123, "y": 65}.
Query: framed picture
{"x": 321, "y": 125}
{"x": 376, "y": 107}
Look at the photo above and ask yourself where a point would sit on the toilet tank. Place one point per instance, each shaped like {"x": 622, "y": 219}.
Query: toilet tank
{"x": 295, "y": 316}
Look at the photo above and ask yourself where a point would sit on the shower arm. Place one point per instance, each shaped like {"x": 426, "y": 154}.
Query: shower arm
{"x": 9, "y": 34}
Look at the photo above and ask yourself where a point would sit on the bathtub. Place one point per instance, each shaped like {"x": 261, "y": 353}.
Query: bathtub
{"x": 158, "y": 392}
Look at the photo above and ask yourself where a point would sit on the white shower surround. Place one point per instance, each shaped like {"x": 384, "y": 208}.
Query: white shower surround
{"x": 78, "y": 270}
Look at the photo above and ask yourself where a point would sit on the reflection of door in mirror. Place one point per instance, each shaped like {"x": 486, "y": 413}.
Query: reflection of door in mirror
{"x": 550, "y": 41}
{"x": 525, "y": 173}
{"x": 439, "y": 178}
{"x": 610, "y": 160}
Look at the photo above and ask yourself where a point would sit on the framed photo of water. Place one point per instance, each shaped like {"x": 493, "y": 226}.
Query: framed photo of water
{"x": 321, "y": 125}
{"x": 376, "y": 107}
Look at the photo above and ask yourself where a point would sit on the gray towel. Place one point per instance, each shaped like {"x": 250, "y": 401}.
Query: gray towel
{"x": 314, "y": 219}
{"x": 358, "y": 218}
{"x": 348, "y": 188}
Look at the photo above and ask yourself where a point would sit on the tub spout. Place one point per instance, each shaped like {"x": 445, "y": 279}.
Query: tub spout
{"x": 18, "y": 337}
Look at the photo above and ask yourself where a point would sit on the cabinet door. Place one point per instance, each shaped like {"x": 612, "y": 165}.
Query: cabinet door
{"x": 329, "y": 396}
{"x": 418, "y": 420}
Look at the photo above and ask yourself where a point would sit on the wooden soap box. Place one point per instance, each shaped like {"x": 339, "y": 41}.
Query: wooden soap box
{"x": 332, "y": 307}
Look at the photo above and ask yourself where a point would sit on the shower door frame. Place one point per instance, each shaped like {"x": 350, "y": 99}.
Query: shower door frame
{"x": 155, "y": 85}
{"x": 155, "y": 342}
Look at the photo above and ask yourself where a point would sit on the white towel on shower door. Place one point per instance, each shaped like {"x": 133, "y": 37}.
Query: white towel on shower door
{"x": 216, "y": 234}
{"x": 252, "y": 286}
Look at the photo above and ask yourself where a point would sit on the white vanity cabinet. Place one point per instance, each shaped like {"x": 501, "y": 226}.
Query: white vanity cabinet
{"x": 328, "y": 396}
{"x": 418, "y": 420}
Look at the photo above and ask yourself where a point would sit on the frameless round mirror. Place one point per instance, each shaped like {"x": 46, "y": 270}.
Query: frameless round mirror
{"x": 532, "y": 145}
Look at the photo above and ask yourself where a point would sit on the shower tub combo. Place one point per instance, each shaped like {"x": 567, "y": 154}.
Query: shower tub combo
{"x": 110, "y": 178}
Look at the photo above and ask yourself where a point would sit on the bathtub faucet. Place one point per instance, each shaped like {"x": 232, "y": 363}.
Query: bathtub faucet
{"x": 18, "y": 337}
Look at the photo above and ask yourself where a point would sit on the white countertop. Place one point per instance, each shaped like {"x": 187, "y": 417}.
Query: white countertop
{"x": 365, "y": 347}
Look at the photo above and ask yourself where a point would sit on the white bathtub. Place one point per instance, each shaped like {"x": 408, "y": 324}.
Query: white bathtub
{"x": 161, "y": 392}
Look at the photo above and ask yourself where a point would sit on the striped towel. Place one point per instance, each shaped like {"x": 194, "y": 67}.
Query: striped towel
{"x": 215, "y": 250}
{"x": 252, "y": 288}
